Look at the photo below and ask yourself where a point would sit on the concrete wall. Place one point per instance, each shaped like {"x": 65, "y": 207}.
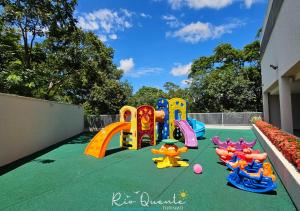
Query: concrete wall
{"x": 274, "y": 110}
{"x": 267, "y": 14}
{"x": 28, "y": 125}
{"x": 283, "y": 48}
{"x": 296, "y": 111}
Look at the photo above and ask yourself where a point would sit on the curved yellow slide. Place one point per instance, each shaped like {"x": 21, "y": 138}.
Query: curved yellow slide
{"x": 98, "y": 144}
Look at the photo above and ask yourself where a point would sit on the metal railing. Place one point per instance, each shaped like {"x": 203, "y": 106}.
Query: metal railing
{"x": 96, "y": 122}
{"x": 228, "y": 118}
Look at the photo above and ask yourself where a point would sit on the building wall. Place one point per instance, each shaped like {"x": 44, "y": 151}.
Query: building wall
{"x": 28, "y": 125}
{"x": 274, "y": 110}
{"x": 296, "y": 110}
{"x": 267, "y": 14}
{"x": 283, "y": 48}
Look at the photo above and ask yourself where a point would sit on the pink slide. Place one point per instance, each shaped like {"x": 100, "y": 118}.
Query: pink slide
{"x": 189, "y": 134}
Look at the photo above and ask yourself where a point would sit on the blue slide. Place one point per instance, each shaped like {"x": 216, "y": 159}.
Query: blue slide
{"x": 198, "y": 127}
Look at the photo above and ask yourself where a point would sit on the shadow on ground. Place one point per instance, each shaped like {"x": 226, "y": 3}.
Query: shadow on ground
{"x": 44, "y": 161}
{"x": 82, "y": 138}
{"x": 273, "y": 192}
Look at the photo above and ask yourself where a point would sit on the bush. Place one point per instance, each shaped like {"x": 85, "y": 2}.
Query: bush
{"x": 255, "y": 118}
{"x": 288, "y": 144}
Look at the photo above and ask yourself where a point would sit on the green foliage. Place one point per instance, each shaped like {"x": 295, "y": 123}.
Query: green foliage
{"x": 66, "y": 65}
{"x": 69, "y": 65}
{"x": 255, "y": 119}
{"x": 174, "y": 90}
{"x": 147, "y": 96}
{"x": 38, "y": 18}
{"x": 228, "y": 80}
{"x": 150, "y": 95}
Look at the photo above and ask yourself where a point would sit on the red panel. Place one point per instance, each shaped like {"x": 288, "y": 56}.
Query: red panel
{"x": 145, "y": 123}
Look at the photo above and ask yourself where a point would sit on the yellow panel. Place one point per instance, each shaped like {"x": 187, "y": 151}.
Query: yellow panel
{"x": 176, "y": 104}
{"x": 133, "y": 128}
{"x": 154, "y": 135}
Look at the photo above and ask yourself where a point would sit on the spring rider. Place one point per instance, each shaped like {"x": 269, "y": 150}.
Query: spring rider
{"x": 171, "y": 155}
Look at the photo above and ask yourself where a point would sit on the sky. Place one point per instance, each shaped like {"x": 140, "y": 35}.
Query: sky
{"x": 156, "y": 41}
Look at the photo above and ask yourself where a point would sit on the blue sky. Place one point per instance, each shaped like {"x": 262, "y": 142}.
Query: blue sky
{"x": 156, "y": 41}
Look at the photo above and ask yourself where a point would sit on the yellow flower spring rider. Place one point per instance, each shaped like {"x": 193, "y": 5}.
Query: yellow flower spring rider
{"x": 171, "y": 155}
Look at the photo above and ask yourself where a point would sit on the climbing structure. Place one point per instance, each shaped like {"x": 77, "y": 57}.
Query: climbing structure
{"x": 138, "y": 123}
{"x": 128, "y": 139}
{"x": 177, "y": 111}
{"x": 145, "y": 124}
{"x": 162, "y": 106}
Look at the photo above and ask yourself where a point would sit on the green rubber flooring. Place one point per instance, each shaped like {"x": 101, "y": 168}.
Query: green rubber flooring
{"x": 66, "y": 179}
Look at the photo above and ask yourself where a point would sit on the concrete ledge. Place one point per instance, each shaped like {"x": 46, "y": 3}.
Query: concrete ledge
{"x": 288, "y": 174}
{"x": 230, "y": 127}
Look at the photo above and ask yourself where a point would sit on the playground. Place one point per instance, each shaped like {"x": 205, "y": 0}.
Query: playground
{"x": 150, "y": 105}
{"x": 64, "y": 178}
{"x": 151, "y": 159}
{"x": 138, "y": 123}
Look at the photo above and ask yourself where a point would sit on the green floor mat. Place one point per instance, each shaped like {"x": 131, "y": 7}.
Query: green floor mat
{"x": 66, "y": 179}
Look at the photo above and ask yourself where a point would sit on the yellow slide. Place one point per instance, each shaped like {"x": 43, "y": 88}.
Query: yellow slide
{"x": 98, "y": 144}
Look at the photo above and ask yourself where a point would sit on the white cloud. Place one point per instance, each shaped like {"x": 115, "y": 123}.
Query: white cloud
{"x": 127, "y": 12}
{"x": 199, "y": 31}
{"x": 102, "y": 37}
{"x": 88, "y": 25}
{"x": 186, "y": 82}
{"x": 176, "y": 4}
{"x": 145, "y": 15}
{"x": 126, "y": 64}
{"x": 249, "y": 3}
{"x": 113, "y": 36}
{"x": 106, "y": 22}
{"x": 199, "y": 4}
{"x": 145, "y": 71}
{"x": 180, "y": 69}
{"x": 172, "y": 21}
{"x": 213, "y": 4}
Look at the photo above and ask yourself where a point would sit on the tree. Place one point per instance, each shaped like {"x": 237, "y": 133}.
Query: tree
{"x": 146, "y": 96}
{"x": 82, "y": 72}
{"x": 65, "y": 64}
{"x": 10, "y": 58}
{"x": 37, "y": 18}
{"x": 32, "y": 19}
{"x": 228, "y": 80}
{"x": 97, "y": 85}
{"x": 174, "y": 91}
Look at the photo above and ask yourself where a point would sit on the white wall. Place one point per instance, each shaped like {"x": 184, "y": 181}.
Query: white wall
{"x": 283, "y": 48}
{"x": 28, "y": 125}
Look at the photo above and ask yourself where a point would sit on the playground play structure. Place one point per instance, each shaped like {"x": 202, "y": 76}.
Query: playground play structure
{"x": 171, "y": 155}
{"x": 138, "y": 123}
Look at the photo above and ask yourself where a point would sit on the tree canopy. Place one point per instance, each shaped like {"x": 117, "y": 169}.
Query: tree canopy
{"x": 45, "y": 55}
{"x": 147, "y": 96}
{"x": 228, "y": 80}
